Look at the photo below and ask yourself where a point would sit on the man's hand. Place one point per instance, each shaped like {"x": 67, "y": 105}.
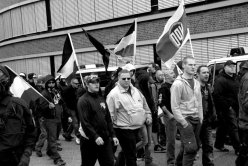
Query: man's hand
{"x": 24, "y": 160}
{"x": 170, "y": 116}
{"x": 148, "y": 121}
{"x": 185, "y": 125}
{"x": 116, "y": 141}
{"x": 69, "y": 119}
{"x": 51, "y": 105}
{"x": 99, "y": 141}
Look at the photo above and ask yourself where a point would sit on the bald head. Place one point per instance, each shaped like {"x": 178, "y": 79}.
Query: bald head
{"x": 159, "y": 76}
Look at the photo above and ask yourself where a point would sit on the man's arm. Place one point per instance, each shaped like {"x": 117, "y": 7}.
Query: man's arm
{"x": 111, "y": 106}
{"x": 165, "y": 98}
{"x": 200, "y": 109}
{"x": 176, "y": 93}
{"x": 244, "y": 94}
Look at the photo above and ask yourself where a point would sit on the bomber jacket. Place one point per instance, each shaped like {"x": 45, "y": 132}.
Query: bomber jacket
{"x": 186, "y": 101}
{"x": 226, "y": 93}
{"x": 12, "y": 106}
{"x": 122, "y": 104}
{"x": 94, "y": 116}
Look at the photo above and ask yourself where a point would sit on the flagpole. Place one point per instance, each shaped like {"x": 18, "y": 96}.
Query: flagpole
{"x": 135, "y": 40}
{"x": 213, "y": 75}
{"x": 75, "y": 57}
{"x": 191, "y": 46}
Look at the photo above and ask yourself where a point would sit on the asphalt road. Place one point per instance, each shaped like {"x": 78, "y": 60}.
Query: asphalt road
{"x": 71, "y": 154}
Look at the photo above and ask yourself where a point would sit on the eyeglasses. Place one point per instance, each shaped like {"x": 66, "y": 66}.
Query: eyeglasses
{"x": 126, "y": 79}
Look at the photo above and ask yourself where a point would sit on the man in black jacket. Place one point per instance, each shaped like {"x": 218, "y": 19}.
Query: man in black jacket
{"x": 70, "y": 97}
{"x": 226, "y": 101}
{"x": 17, "y": 130}
{"x": 97, "y": 124}
{"x": 50, "y": 110}
{"x": 209, "y": 116}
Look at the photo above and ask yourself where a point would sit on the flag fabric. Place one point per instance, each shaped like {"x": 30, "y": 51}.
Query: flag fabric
{"x": 174, "y": 36}
{"x": 99, "y": 46}
{"x": 22, "y": 89}
{"x": 68, "y": 67}
{"x": 126, "y": 46}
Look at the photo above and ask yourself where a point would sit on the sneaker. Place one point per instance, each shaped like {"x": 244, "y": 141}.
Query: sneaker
{"x": 77, "y": 141}
{"x": 159, "y": 149}
{"x": 38, "y": 153}
{"x": 59, "y": 162}
{"x": 59, "y": 148}
{"x": 222, "y": 149}
{"x": 67, "y": 137}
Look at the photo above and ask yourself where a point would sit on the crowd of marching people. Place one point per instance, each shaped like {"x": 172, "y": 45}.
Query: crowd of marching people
{"x": 142, "y": 111}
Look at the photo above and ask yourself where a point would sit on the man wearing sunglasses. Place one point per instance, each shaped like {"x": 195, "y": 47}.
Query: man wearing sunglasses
{"x": 129, "y": 111}
{"x": 70, "y": 97}
{"x": 96, "y": 123}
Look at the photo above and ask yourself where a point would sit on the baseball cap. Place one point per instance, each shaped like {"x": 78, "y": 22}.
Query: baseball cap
{"x": 128, "y": 67}
{"x": 92, "y": 79}
{"x": 22, "y": 74}
{"x": 229, "y": 62}
{"x": 32, "y": 75}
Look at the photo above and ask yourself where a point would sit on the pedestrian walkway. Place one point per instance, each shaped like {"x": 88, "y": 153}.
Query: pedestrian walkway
{"x": 71, "y": 154}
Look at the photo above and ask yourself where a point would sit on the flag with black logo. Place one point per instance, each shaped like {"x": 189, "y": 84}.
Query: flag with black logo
{"x": 174, "y": 36}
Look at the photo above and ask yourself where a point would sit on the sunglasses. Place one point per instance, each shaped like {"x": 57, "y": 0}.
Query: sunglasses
{"x": 94, "y": 81}
{"x": 126, "y": 79}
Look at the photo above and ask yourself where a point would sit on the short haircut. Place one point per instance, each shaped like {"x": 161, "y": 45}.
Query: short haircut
{"x": 185, "y": 59}
{"x": 122, "y": 72}
{"x": 199, "y": 68}
{"x": 74, "y": 78}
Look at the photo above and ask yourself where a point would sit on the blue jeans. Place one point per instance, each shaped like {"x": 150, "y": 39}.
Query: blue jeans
{"x": 190, "y": 142}
{"x": 171, "y": 131}
{"x": 207, "y": 145}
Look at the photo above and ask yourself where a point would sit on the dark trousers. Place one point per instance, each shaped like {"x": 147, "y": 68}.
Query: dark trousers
{"x": 90, "y": 152}
{"x": 51, "y": 129}
{"x": 43, "y": 135}
{"x": 242, "y": 159}
{"x": 11, "y": 157}
{"x": 171, "y": 131}
{"x": 207, "y": 145}
{"x": 190, "y": 142}
{"x": 127, "y": 139}
{"x": 228, "y": 124}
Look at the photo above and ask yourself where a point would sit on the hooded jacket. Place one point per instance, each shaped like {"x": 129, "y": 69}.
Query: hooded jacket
{"x": 186, "y": 101}
{"x": 43, "y": 105}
